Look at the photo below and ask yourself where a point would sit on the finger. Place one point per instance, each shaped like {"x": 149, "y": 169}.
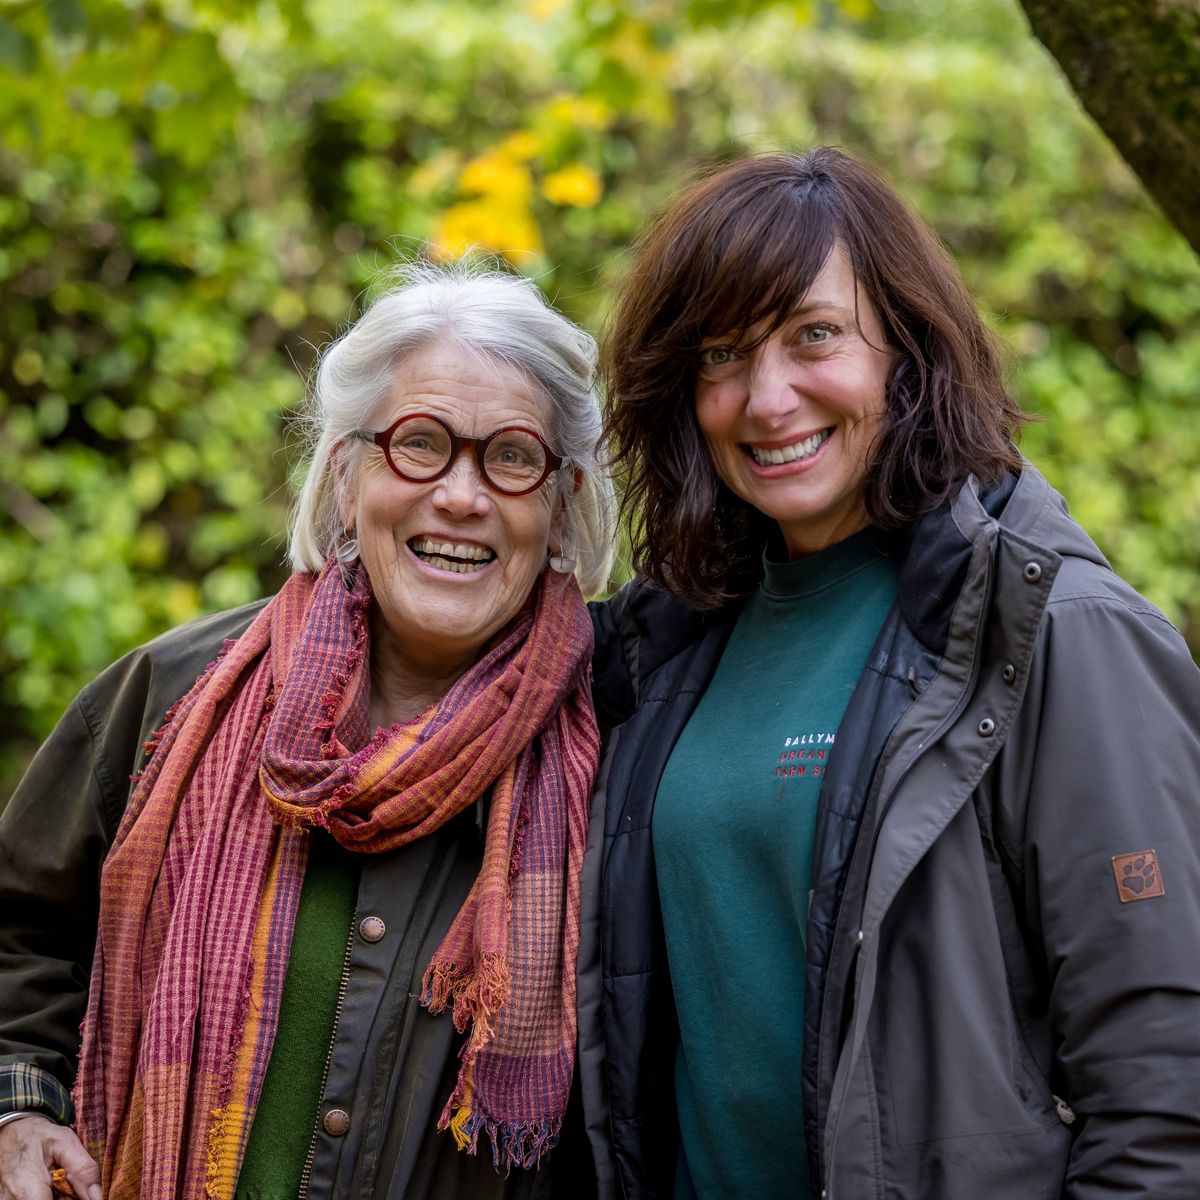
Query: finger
{"x": 85, "y": 1186}
{"x": 81, "y": 1169}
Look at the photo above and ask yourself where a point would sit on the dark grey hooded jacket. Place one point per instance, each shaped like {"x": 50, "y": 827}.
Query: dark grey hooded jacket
{"x": 1000, "y": 1005}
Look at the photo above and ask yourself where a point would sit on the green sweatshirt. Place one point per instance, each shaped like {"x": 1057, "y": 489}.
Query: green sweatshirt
{"x": 733, "y": 837}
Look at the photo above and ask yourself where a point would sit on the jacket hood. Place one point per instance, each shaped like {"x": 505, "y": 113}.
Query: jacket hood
{"x": 936, "y": 552}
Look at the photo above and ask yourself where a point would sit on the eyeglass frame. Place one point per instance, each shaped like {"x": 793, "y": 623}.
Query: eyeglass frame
{"x": 458, "y": 443}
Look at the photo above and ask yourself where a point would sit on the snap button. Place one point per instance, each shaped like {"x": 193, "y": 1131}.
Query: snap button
{"x": 371, "y": 929}
{"x": 337, "y": 1122}
{"x": 1009, "y": 673}
{"x": 1032, "y": 572}
{"x": 861, "y": 937}
{"x": 987, "y": 727}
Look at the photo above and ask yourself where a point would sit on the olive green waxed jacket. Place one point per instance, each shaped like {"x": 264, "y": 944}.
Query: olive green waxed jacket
{"x": 391, "y": 1064}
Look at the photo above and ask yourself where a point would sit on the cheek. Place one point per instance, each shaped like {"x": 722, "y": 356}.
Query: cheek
{"x": 707, "y": 409}
{"x": 377, "y": 515}
{"x": 872, "y": 413}
{"x": 716, "y": 419}
{"x": 530, "y": 530}
{"x": 875, "y": 383}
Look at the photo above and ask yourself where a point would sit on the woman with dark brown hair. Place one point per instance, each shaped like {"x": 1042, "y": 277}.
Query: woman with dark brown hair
{"x": 897, "y": 884}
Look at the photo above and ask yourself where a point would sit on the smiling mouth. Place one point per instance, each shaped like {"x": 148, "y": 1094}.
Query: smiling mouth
{"x": 463, "y": 558}
{"x": 796, "y": 452}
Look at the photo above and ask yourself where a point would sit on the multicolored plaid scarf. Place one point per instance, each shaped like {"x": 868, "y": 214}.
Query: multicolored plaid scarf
{"x": 199, "y": 892}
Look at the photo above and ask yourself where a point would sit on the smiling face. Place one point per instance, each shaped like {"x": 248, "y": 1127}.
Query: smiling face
{"x": 789, "y": 422}
{"x": 451, "y": 562}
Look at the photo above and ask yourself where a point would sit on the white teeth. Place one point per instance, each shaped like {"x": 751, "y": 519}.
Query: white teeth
{"x": 460, "y": 558}
{"x": 792, "y": 453}
{"x": 453, "y": 550}
{"x": 450, "y": 564}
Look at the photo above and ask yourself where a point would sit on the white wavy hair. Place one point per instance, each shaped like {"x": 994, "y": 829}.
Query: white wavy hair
{"x": 506, "y": 320}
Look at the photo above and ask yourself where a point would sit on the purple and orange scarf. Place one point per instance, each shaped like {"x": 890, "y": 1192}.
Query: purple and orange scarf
{"x": 199, "y": 891}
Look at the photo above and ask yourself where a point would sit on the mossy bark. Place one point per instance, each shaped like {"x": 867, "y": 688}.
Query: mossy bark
{"x": 1135, "y": 65}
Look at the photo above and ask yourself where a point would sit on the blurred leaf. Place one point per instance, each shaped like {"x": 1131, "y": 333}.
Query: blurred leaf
{"x": 66, "y": 17}
{"x": 18, "y": 51}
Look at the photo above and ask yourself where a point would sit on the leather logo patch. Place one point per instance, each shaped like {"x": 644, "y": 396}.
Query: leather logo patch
{"x": 1138, "y": 876}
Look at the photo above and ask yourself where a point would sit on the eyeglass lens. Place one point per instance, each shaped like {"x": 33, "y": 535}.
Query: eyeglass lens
{"x": 513, "y": 459}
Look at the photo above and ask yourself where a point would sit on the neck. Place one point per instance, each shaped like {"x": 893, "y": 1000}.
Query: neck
{"x": 401, "y": 687}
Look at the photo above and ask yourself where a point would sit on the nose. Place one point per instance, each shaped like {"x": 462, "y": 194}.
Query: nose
{"x": 773, "y": 384}
{"x": 461, "y": 492}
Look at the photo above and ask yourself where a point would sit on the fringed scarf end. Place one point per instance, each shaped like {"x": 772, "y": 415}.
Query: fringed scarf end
{"x": 514, "y": 1143}
{"x": 438, "y": 985}
{"x": 477, "y": 996}
{"x": 216, "y": 1153}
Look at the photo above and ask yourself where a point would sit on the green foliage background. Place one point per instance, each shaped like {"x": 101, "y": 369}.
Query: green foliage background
{"x": 194, "y": 194}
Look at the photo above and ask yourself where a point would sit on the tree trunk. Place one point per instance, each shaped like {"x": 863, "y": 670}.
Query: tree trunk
{"x": 1135, "y": 65}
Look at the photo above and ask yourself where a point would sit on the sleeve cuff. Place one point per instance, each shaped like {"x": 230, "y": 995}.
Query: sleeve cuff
{"x": 27, "y": 1088}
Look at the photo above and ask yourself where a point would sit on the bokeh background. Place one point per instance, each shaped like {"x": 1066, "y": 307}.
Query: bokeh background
{"x": 195, "y": 195}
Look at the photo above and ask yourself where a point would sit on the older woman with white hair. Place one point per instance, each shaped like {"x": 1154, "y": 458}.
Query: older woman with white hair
{"x": 364, "y": 803}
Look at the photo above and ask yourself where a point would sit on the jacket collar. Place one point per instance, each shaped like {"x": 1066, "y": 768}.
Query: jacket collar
{"x": 936, "y": 553}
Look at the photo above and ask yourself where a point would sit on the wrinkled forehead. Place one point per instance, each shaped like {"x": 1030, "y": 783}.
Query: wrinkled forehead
{"x": 467, "y": 385}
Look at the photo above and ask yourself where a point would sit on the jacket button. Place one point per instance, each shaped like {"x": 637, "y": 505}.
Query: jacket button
{"x": 1009, "y": 673}
{"x": 371, "y": 929}
{"x": 1032, "y": 572}
{"x": 987, "y": 727}
{"x": 337, "y": 1122}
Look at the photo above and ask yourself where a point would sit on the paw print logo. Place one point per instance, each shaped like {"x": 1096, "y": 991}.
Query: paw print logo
{"x": 1138, "y": 876}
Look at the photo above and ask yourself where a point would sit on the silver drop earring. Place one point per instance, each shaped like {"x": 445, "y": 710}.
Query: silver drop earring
{"x": 347, "y": 549}
{"x": 561, "y": 563}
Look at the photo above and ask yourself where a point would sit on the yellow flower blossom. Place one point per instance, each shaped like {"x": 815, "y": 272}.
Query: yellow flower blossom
{"x": 858, "y": 10}
{"x": 498, "y": 176}
{"x": 486, "y": 224}
{"x": 576, "y": 185}
{"x": 522, "y": 145}
{"x": 545, "y": 10}
{"x": 580, "y": 112}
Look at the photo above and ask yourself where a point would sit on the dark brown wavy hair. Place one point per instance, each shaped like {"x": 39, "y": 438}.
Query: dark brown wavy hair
{"x": 742, "y": 246}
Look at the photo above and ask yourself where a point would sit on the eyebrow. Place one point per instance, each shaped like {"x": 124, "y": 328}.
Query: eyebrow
{"x": 797, "y": 313}
{"x": 813, "y": 305}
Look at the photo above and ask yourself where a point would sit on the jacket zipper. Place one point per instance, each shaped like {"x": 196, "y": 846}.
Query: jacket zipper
{"x": 343, "y": 984}
{"x": 882, "y": 805}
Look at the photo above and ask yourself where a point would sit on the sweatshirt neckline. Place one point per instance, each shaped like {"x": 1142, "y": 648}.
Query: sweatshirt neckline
{"x": 790, "y": 580}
